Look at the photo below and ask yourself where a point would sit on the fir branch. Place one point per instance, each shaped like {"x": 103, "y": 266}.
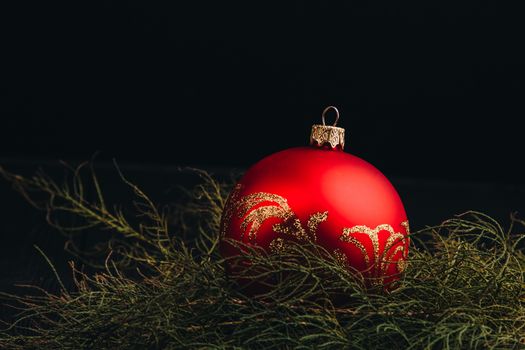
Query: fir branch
{"x": 464, "y": 286}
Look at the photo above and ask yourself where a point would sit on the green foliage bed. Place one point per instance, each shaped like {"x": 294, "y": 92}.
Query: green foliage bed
{"x": 162, "y": 284}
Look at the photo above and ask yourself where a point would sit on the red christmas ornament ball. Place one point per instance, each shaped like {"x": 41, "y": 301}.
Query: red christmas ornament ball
{"x": 325, "y": 195}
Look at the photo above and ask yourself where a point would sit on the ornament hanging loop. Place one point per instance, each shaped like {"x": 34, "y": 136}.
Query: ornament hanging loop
{"x": 328, "y": 135}
{"x": 326, "y": 111}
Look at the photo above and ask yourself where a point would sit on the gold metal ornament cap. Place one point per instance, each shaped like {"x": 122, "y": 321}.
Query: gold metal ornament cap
{"x": 329, "y": 135}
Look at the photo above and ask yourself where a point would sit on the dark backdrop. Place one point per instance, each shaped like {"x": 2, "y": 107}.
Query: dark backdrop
{"x": 428, "y": 89}
{"x": 430, "y": 92}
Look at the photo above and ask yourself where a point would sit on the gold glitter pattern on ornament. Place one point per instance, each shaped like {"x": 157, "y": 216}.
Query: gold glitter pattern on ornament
{"x": 351, "y": 239}
{"x": 407, "y": 229}
{"x": 393, "y": 238}
{"x": 340, "y": 257}
{"x": 371, "y": 233}
{"x": 246, "y": 203}
{"x": 401, "y": 262}
{"x": 406, "y": 226}
{"x": 258, "y": 207}
{"x": 313, "y": 224}
{"x": 402, "y": 265}
{"x": 254, "y": 218}
{"x": 253, "y": 211}
{"x": 277, "y": 246}
{"x": 291, "y": 227}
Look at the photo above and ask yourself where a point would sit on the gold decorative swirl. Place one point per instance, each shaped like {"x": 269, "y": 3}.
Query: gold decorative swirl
{"x": 401, "y": 262}
{"x": 372, "y": 234}
{"x": 277, "y": 245}
{"x": 253, "y": 211}
{"x": 351, "y": 239}
{"x": 393, "y": 239}
{"x": 293, "y": 227}
{"x": 256, "y": 208}
{"x": 256, "y": 217}
{"x": 246, "y": 203}
{"x": 313, "y": 224}
{"x": 340, "y": 257}
{"x": 253, "y": 216}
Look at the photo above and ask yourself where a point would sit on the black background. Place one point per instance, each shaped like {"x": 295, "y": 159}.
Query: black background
{"x": 428, "y": 89}
{"x": 430, "y": 92}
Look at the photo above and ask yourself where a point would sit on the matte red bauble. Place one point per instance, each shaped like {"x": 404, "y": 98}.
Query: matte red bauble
{"x": 321, "y": 193}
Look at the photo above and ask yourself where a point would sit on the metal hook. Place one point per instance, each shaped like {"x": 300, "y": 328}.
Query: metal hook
{"x": 336, "y": 114}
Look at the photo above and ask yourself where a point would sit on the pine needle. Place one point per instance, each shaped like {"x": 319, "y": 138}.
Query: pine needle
{"x": 162, "y": 284}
